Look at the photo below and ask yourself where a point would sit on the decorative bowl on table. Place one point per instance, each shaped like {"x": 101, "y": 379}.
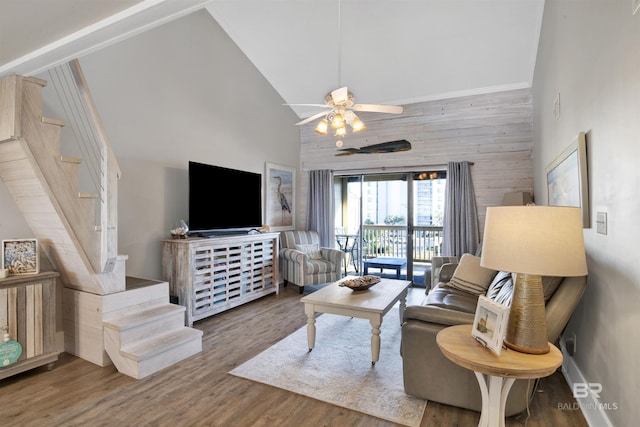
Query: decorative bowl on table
{"x": 360, "y": 283}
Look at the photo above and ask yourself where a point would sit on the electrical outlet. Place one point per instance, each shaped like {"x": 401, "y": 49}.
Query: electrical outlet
{"x": 556, "y": 105}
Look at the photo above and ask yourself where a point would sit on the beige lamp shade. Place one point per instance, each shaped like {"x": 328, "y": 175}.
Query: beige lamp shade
{"x": 541, "y": 240}
{"x": 532, "y": 241}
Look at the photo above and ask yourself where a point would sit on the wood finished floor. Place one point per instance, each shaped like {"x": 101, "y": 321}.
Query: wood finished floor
{"x": 200, "y": 392}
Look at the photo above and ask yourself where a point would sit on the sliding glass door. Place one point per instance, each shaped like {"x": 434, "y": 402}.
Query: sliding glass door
{"x": 390, "y": 224}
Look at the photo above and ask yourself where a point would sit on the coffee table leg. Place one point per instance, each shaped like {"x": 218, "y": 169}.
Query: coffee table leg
{"x": 311, "y": 326}
{"x": 403, "y": 305}
{"x": 375, "y": 339}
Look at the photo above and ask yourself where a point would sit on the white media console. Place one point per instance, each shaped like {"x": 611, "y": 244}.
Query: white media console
{"x": 211, "y": 275}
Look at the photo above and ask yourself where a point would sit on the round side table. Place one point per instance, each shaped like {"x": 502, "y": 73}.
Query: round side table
{"x": 495, "y": 374}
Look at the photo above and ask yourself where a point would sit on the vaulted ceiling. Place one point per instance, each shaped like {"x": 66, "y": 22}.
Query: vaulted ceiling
{"x": 385, "y": 51}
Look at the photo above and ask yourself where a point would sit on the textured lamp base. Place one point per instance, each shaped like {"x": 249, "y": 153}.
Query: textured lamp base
{"x": 527, "y": 328}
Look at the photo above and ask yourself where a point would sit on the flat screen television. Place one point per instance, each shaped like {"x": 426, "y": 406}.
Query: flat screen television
{"x": 223, "y": 200}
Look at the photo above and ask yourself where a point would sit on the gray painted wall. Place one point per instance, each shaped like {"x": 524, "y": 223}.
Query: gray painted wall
{"x": 180, "y": 92}
{"x": 589, "y": 53}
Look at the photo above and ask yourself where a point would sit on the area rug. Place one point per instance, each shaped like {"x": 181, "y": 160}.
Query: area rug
{"x": 339, "y": 370}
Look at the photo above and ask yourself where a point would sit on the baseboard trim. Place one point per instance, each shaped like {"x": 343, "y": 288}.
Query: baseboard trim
{"x": 593, "y": 410}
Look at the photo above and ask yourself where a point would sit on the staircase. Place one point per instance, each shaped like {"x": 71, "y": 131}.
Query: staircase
{"x": 107, "y": 316}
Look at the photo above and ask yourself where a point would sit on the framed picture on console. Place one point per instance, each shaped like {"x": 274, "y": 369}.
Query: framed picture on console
{"x": 567, "y": 180}
{"x": 490, "y": 324}
{"x": 20, "y": 256}
{"x": 280, "y": 197}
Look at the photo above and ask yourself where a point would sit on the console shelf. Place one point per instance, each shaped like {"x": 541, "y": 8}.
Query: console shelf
{"x": 28, "y": 308}
{"x": 212, "y": 275}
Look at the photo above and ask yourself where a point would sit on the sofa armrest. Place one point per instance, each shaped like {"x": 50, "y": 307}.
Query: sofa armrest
{"x": 436, "y": 265}
{"x": 446, "y": 272}
{"x": 438, "y": 315}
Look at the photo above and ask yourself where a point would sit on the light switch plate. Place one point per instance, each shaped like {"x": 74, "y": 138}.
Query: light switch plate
{"x": 556, "y": 105}
{"x": 601, "y": 222}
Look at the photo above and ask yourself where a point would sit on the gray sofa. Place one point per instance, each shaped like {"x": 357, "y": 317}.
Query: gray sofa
{"x": 430, "y": 375}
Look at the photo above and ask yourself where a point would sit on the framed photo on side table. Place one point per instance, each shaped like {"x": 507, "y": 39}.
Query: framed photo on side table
{"x": 490, "y": 324}
{"x": 280, "y": 198}
{"x": 20, "y": 256}
{"x": 567, "y": 179}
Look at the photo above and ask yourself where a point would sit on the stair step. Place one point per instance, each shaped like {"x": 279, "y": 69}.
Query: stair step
{"x": 67, "y": 159}
{"x": 51, "y": 121}
{"x": 144, "y": 350}
{"x": 88, "y": 195}
{"x": 140, "y": 318}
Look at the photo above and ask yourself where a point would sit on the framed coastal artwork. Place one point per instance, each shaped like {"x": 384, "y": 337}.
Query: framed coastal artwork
{"x": 20, "y": 256}
{"x": 280, "y": 197}
{"x": 567, "y": 178}
{"x": 490, "y": 324}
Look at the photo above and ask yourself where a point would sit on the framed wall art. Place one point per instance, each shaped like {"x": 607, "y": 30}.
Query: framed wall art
{"x": 280, "y": 197}
{"x": 20, "y": 256}
{"x": 567, "y": 179}
{"x": 490, "y": 324}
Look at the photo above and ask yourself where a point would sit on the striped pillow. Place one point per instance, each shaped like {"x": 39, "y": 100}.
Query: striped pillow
{"x": 470, "y": 277}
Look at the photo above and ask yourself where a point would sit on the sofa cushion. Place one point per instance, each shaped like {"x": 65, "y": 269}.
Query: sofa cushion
{"x": 452, "y": 299}
{"x": 312, "y": 250}
{"x": 471, "y": 277}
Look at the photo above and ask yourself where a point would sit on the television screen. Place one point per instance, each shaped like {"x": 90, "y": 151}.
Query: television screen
{"x": 223, "y": 199}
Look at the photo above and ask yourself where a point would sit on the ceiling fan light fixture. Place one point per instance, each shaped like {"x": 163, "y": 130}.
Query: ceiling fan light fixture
{"x": 340, "y": 132}
{"x": 338, "y": 121}
{"x": 323, "y": 127}
{"x": 357, "y": 125}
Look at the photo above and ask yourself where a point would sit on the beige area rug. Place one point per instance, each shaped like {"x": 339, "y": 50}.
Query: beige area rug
{"x": 339, "y": 370}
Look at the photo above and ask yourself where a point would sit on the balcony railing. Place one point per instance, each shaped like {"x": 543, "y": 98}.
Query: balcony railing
{"x": 391, "y": 241}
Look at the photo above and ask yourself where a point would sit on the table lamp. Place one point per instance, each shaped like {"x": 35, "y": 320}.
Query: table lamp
{"x": 532, "y": 241}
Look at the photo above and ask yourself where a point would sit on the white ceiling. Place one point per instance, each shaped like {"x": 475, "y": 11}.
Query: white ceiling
{"x": 385, "y": 51}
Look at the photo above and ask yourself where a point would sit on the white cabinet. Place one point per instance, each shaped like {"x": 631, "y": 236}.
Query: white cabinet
{"x": 211, "y": 275}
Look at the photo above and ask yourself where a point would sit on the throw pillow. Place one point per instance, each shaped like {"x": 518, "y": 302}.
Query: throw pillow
{"x": 497, "y": 284}
{"x": 312, "y": 251}
{"x": 501, "y": 288}
{"x": 471, "y": 277}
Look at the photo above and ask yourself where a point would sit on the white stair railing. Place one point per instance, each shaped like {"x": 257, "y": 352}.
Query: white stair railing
{"x": 98, "y": 158}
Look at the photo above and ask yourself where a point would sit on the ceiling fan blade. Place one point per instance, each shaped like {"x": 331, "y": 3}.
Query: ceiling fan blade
{"x": 315, "y": 116}
{"x": 375, "y": 108}
{"x": 308, "y": 105}
{"x": 340, "y": 95}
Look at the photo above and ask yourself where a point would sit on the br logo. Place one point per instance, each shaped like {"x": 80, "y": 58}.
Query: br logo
{"x": 582, "y": 390}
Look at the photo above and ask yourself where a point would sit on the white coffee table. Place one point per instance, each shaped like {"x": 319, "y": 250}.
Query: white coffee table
{"x": 371, "y": 304}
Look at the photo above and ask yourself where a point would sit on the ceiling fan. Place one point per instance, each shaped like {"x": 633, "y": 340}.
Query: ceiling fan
{"x": 341, "y": 111}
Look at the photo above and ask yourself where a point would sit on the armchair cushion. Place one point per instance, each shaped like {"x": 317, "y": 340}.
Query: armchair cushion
{"x": 470, "y": 277}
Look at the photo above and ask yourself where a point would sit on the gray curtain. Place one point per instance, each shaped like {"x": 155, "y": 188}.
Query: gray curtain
{"x": 460, "y": 223}
{"x": 320, "y": 212}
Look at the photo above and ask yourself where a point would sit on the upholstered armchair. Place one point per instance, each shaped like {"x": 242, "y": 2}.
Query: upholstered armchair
{"x": 304, "y": 262}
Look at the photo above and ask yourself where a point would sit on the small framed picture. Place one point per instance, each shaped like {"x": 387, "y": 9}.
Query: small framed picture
{"x": 490, "y": 324}
{"x": 20, "y": 256}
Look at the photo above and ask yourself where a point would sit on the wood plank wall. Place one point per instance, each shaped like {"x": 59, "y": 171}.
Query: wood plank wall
{"x": 494, "y": 131}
